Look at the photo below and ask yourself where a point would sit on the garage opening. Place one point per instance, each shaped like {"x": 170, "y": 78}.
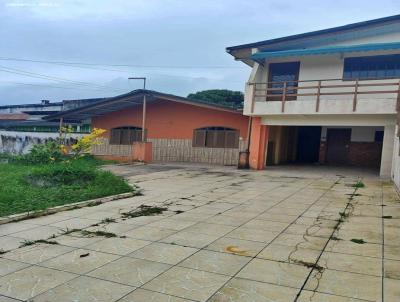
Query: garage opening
{"x": 335, "y": 146}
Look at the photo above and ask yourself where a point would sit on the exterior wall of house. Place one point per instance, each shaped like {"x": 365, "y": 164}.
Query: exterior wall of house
{"x": 169, "y": 127}
{"x": 322, "y": 67}
{"x": 364, "y": 151}
{"x": 396, "y": 160}
{"x": 172, "y": 120}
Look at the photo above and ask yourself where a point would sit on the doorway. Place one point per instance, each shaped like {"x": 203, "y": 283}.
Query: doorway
{"x": 338, "y": 142}
{"x": 308, "y": 143}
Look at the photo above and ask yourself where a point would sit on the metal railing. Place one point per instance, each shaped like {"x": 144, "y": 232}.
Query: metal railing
{"x": 315, "y": 89}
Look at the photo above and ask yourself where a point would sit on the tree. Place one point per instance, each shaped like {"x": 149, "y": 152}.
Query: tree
{"x": 221, "y": 97}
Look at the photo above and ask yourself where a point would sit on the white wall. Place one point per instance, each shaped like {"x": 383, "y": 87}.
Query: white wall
{"x": 396, "y": 162}
{"x": 320, "y": 67}
{"x": 16, "y": 142}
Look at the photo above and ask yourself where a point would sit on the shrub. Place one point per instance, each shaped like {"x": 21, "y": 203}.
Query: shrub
{"x": 42, "y": 154}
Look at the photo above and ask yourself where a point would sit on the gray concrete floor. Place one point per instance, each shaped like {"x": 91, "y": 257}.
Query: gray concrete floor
{"x": 284, "y": 234}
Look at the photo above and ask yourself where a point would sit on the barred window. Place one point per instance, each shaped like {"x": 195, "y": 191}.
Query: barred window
{"x": 371, "y": 67}
{"x": 125, "y": 135}
{"x": 216, "y": 137}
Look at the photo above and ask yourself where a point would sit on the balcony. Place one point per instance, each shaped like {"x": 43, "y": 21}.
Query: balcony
{"x": 332, "y": 96}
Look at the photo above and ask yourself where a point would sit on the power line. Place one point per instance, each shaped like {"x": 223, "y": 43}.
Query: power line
{"x": 124, "y": 65}
{"x": 52, "y": 86}
{"x": 52, "y": 78}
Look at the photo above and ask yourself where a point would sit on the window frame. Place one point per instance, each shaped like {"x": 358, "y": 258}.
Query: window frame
{"x": 132, "y": 134}
{"x": 215, "y": 137}
{"x": 363, "y": 61}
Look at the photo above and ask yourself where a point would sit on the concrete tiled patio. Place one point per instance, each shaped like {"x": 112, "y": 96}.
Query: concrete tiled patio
{"x": 275, "y": 235}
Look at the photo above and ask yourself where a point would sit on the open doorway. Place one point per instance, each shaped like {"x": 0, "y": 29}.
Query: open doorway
{"x": 293, "y": 144}
{"x": 308, "y": 141}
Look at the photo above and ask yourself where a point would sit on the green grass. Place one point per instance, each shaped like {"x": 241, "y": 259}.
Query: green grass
{"x": 25, "y": 187}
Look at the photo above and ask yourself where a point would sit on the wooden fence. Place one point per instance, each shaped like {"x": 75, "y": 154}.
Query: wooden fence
{"x": 112, "y": 150}
{"x": 181, "y": 150}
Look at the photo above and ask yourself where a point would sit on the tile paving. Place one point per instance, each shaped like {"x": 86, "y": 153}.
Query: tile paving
{"x": 228, "y": 235}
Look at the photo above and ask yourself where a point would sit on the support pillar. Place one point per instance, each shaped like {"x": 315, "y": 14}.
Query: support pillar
{"x": 258, "y": 144}
{"x": 387, "y": 151}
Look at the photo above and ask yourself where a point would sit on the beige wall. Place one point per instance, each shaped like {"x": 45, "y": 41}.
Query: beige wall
{"x": 396, "y": 161}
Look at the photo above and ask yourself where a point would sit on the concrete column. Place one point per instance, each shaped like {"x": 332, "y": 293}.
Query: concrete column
{"x": 387, "y": 151}
{"x": 258, "y": 144}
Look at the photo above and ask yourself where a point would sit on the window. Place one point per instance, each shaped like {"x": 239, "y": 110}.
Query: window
{"x": 216, "y": 137}
{"x": 125, "y": 135}
{"x": 372, "y": 67}
{"x": 379, "y": 136}
{"x": 283, "y": 72}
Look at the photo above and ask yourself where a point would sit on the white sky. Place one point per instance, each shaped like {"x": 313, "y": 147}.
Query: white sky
{"x": 163, "y": 34}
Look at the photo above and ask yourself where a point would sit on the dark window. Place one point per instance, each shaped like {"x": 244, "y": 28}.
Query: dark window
{"x": 379, "y": 136}
{"x": 125, "y": 135}
{"x": 278, "y": 73}
{"x": 216, "y": 137}
{"x": 373, "y": 67}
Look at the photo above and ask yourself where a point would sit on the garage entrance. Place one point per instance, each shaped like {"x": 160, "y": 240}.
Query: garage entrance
{"x": 293, "y": 144}
{"x": 337, "y": 146}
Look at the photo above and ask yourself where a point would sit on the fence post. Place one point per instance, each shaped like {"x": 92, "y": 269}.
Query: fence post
{"x": 318, "y": 96}
{"x": 355, "y": 96}
{"x": 284, "y": 96}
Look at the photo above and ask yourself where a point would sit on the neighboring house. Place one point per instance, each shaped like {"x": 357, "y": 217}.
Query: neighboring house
{"x": 167, "y": 128}
{"x": 22, "y": 126}
{"x": 329, "y": 96}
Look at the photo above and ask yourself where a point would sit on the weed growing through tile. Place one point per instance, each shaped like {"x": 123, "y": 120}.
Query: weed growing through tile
{"x": 358, "y": 241}
{"x": 144, "y": 210}
{"x": 359, "y": 184}
{"x": 387, "y": 217}
{"x": 32, "y": 242}
{"x": 108, "y": 220}
{"x": 98, "y": 234}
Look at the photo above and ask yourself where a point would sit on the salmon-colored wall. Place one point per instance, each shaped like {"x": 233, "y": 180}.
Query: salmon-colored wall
{"x": 167, "y": 119}
{"x": 258, "y": 144}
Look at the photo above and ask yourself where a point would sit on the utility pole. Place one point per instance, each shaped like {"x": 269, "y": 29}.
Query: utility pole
{"x": 144, "y": 106}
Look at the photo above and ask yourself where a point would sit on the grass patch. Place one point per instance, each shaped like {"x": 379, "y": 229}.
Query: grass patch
{"x": 144, "y": 210}
{"x": 358, "y": 241}
{"x": 29, "y": 187}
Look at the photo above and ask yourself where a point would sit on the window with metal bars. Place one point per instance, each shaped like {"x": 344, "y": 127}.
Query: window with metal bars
{"x": 125, "y": 135}
{"x": 371, "y": 67}
{"x": 216, "y": 137}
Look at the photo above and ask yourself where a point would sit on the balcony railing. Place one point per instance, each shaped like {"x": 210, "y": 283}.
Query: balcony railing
{"x": 315, "y": 90}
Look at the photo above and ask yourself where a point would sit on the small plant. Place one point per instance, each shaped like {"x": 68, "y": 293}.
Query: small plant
{"x": 358, "y": 241}
{"x": 359, "y": 184}
{"x": 144, "y": 210}
{"x": 108, "y": 220}
{"x": 84, "y": 144}
{"x": 46, "y": 153}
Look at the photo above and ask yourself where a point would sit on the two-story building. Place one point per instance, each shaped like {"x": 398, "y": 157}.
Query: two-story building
{"x": 329, "y": 96}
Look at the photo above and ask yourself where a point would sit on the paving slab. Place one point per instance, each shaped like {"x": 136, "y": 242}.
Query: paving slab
{"x": 302, "y": 234}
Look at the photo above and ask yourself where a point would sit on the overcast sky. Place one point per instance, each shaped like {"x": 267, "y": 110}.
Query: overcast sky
{"x": 179, "y": 45}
